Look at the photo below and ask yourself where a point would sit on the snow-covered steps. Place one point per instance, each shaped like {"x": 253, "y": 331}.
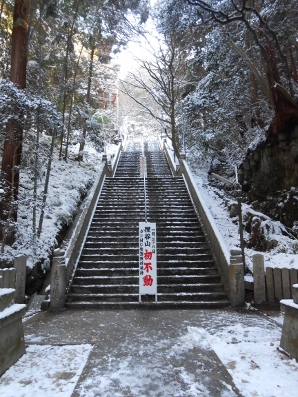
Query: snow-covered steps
{"x": 160, "y": 305}
{"x": 107, "y": 273}
{"x": 157, "y": 164}
{"x": 128, "y": 165}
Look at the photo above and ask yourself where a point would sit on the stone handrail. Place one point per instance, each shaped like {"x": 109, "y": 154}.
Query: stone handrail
{"x": 78, "y": 237}
{"x": 65, "y": 263}
{"x": 218, "y": 246}
{"x": 170, "y": 159}
{"x": 219, "y": 249}
{"x": 124, "y": 142}
{"x": 120, "y": 148}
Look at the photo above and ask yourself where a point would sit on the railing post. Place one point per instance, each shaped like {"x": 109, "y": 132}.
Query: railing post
{"x": 259, "y": 278}
{"x": 58, "y": 281}
{"x": 289, "y": 336}
{"x": 20, "y": 282}
{"x": 241, "y": 229}
{"x": 236, "y": 279}
{"x": 7, "y": 278}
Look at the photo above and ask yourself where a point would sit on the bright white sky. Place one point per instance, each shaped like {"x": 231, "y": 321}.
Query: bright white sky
{"x": 126, "y": 59}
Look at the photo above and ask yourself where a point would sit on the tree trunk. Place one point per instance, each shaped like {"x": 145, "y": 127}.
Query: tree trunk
{"x": 46, "y": 186}
{"x": 65, "y": 71}
{"x": 71, "y": 104}
{"x": 293, "y": 66}
{"x": 14, "y": 132}
{"x": 82, "y": 144}
{"x": 255, "y": 100}
{"x": 286, "y": 113}
{"x": 173, "y": 131}
{"x": 2, "y": 7}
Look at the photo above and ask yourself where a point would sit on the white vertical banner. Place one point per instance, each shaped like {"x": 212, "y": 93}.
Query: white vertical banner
{"x": 147, "y": 259}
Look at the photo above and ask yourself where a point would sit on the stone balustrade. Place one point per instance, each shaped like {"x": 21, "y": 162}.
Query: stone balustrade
{"x": 289, "y": 337}
{"x": 65, "y": 262}
{"x": 12, "y": 345}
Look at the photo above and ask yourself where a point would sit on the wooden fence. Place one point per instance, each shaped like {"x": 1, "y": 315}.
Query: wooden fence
{"x": 279, "y": 283}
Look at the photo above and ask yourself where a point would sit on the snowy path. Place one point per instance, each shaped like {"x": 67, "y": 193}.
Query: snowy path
{"x": 174, "y": 353}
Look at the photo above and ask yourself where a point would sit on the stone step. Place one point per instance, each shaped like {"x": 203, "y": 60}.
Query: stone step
{"x": 160, "y": 305}
{"x": 113, "y": 264}
{"x": 133, "y": 278}
{"x": 126, "y": 271}
{"x": 125, "y": 238}
{"x": 162, "y": 230}
{"x": 131, "y": 235}
{"x": 107, "y": 272}
{"x": 128, "y": 263}
{"x": 133, "y": 195}
{"x": 130, "y": 254}
{"x": 166, "y": 226}
{"x": 137, "y": 187}
{"x": 161, "y": 297}
{"x": 104, "y": 218}
{"x": 162, "y": 201}
{"x": 103, "y": 253}
{"x": 129, "y": 242}
{"x": 186, "y": 263}
{"x": 135, "y": 207}
{"x": 114, "y": 183}
{"x": 179, "y": 219}
{"x": 174, "y": 211}
{"x": 163, "y": 253}
{"x": 182, "y": 220}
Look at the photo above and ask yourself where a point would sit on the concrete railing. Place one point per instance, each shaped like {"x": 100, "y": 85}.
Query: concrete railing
{"x": 289, "y": 337}
{"x": 15, "y": 277}
{"x": 65, "y": 262}
{"x": 124, "y": 142}
{"x": 175, "y": 168}
{"x": 217, "y": 244}
{"x": 230, "y": 264}
{"x": 12, "y": 343}
{"x": 78, "y": 237}
{"x": 121, "y": 147}
{"x": 7, "y": 277}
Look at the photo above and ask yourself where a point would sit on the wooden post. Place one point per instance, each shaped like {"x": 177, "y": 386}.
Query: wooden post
{"x": 259, "y": 278}
{"x": 20, "y": 266}
{"x": 241, "y": 230}
{"x": 270, "y": 284}
{"x": 236, "y": 280}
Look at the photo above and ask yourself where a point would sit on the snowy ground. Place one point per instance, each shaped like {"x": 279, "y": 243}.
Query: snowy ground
{"x": 211, "y": 353}
{"x": 281, "y": 256}
{"x": 46, "y": 371}
{"x": 69, "y": 182}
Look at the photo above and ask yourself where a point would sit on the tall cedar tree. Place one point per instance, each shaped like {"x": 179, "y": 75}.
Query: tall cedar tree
{"x": 14, "y": 133}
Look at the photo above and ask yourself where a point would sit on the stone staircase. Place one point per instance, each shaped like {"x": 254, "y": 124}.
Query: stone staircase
{"x": 107, "y": 273}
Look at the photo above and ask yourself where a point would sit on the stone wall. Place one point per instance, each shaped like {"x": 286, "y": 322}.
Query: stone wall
{"x": 270, "y": 176}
